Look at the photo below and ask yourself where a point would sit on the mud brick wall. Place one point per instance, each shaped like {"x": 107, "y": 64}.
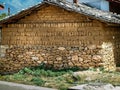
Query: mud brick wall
{"x": 59, "y": 38}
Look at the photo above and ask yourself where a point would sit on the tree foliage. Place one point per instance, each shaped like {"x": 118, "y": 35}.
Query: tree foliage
{"x": 3, "y": 15}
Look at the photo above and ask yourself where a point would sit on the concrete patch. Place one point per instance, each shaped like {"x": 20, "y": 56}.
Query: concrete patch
{"x": 14, "y": 86}
{"x": 95, "y": 86}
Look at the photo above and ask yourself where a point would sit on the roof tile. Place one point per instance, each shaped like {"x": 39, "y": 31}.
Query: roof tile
{"x": 104, "y": 16}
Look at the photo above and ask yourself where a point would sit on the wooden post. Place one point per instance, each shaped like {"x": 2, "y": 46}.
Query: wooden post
{"x": 75, "y": 1}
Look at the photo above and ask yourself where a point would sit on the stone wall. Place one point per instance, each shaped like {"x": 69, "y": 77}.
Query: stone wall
{"x": 17, "y": 57}
{"x": 108, "y": 56}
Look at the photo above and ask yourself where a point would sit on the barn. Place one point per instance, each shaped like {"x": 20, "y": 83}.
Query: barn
{"x": 61, "y": 35}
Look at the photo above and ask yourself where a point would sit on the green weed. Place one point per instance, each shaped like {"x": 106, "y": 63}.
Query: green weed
{"x": 38, "y": 81}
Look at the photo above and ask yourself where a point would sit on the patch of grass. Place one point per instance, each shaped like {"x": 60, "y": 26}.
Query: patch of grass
{"x": 37, "y": 81}
{"x": 63, "y": 86}
{"x": 18, "y": 77}
{"x": 61, "y": 79}
{"x": 112, "y": 78}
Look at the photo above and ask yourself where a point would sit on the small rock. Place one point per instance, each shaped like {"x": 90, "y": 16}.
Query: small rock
{"x": 80, "y": 59}
{"x": 71, "y": 64}
{"x": 41, "y": 58}
{"x": 70, "y": 52}
{"x": 61, "y": 48}
{"x": 84, "y": 53}
{"x": 99, "y": 46}
{"x": 59, "y": 58}
{"x": 39, "y": 62}
{"x": 75, "y": 57}
{"x": 29, "y": 53}
{"x": 85, "y": 48}
{"x": 43, "y": 54}
{"x": 20, "y": 56}
{"x": 69, "y": 57}
{"x": 92, "y": 46}
{"x": 45, "y": 62}
{"x": 35, "y": 58}
{"x": 96, "y": 57}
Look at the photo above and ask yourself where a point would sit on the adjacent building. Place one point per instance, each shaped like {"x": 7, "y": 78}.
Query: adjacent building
{"x": 105, "y": 5}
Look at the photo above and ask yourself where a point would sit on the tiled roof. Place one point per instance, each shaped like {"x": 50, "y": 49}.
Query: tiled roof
{"x": 103, "y": 16}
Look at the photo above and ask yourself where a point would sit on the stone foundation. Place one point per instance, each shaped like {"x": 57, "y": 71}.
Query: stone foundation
{"x": 108, "y": 56}
{"x": 15, "y": 58}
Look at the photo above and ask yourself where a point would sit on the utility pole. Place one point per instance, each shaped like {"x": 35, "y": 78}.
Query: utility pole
{"x": 8, "y": 11}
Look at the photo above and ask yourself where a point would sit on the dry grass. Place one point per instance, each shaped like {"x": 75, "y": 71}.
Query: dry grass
{"x": 62, "y": 80}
